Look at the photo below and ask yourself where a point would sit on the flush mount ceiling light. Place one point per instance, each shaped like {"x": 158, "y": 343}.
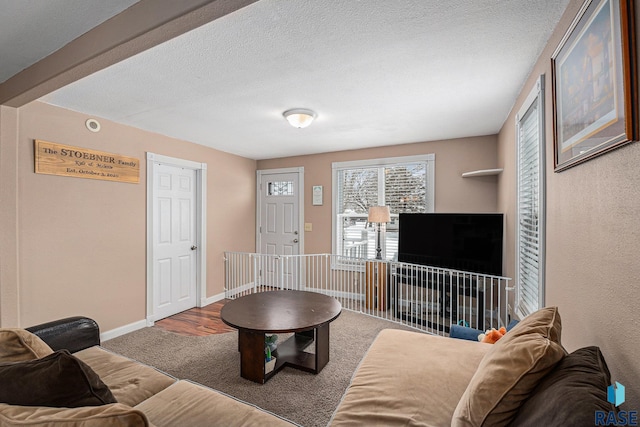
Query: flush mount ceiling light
{"x": 299, "y": 117}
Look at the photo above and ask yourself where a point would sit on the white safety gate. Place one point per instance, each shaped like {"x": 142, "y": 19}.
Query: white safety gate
{"x": 426, "y": 298}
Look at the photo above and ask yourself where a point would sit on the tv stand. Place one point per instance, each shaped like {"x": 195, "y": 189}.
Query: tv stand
{"x": 448, "y": 287}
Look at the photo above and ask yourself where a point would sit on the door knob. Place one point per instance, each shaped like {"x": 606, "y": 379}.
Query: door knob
{"x": 193, "y": 248}
{"x": 295, "y": 240}
{"x": 295, "y": 232}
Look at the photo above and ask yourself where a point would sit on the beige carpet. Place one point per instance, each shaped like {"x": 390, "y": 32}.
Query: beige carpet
{"x": 214, "y": 361}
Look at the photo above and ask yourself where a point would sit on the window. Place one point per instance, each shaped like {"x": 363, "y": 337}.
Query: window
{"x": 530, "y": 203}
{"x": 405, "y": 184}
{"x": 280, "y": 188}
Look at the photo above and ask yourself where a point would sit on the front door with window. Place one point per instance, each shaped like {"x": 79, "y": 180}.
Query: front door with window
{"x": 279, "y": 223}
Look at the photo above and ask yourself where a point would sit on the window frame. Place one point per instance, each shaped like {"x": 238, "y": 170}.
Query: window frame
{"x": 535, "y": 97}
{"x": 336, "y": 167}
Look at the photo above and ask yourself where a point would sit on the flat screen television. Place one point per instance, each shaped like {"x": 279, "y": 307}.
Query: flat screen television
{"x": 460, "y": 241}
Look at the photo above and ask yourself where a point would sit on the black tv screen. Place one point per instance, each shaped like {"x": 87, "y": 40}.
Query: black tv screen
{"x": 460, "y": 241}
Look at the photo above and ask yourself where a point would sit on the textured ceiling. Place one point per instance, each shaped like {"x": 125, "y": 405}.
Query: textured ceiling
{"x": 377, "y": 72}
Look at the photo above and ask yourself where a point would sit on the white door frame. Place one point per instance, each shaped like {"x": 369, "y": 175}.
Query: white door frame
{"x": 201, "y": 227}
{"x": 300, "y": 172}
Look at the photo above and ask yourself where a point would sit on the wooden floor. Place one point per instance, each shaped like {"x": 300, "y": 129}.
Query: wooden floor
{"x": 196, "y": 321}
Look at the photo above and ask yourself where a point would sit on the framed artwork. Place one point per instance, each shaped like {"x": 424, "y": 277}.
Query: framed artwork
{"x": 317, "y": 195}
{"x": 594, "y": 83}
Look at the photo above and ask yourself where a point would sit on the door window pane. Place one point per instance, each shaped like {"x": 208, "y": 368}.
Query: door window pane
{"x": 280, "y": 188}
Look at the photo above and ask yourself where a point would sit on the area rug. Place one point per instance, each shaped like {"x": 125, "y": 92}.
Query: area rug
{"x": 214, "y": 361}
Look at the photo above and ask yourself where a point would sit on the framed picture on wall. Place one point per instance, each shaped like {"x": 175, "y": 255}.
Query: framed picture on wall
{"x": 594, "y": 83}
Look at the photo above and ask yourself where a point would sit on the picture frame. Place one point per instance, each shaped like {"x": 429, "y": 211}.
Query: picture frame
{"x": 317, "y": 195}
{"x": 594, "y": 83}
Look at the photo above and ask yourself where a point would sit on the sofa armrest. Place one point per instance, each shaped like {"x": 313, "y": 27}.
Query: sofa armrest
{"x": 112, "y": 414}
{"x": 72, "y": 333}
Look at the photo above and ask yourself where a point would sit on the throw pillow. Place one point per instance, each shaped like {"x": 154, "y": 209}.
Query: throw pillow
{"x": 18, "y": 344}
{"x": 464, "y": 333}
{"x": 545, "y": 322}
{"x": 58, "y": 380}
{"x": 582, "y": 376}
{"x": 510, "y": 371}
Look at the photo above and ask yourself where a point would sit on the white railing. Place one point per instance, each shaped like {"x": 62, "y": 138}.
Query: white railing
{"x": 426, "y": 298}
{"x": 356, "y": 249}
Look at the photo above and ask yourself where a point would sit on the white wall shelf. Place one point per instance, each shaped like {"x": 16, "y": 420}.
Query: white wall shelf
{"x": 483, "y": 172}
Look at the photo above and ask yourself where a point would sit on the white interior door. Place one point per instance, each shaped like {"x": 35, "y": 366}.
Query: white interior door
{"x": 279, "y": 225}
{"x": 174, "y": 240}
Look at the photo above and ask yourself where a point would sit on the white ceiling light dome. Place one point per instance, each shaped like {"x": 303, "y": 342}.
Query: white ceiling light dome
{"x": 299, "y": 117}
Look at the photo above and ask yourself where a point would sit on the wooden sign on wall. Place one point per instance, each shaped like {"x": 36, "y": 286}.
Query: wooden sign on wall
{"x": 65, "y": 160}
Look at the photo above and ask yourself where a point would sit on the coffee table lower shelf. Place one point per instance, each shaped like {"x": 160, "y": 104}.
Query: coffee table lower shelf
{"x": 288, "y": 353}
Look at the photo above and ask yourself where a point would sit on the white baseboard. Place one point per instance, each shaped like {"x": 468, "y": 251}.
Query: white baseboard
{"x": 113, "y": 333}
{"x": 211, "y": 299}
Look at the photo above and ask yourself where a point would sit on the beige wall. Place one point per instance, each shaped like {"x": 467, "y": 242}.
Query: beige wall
{"x": 452, "y": 194}
{"x": 82, "y": 243}
{"x": 8, "y": 216}
{"x": 593, "y": 238}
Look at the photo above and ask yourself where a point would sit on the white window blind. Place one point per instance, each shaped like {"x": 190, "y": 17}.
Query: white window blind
{"x": 403, "y": 184}
{"x": 530, "y": 203}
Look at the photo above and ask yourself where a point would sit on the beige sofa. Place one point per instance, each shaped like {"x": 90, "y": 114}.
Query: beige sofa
{"x": 525, "y": 379}
{"x": 145, "y": 396}
{"x": 405, "y": 379}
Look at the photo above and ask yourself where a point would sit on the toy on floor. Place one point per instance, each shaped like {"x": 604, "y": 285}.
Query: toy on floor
{"x": 492, "y": 335}
{"x": 271, "y": 341}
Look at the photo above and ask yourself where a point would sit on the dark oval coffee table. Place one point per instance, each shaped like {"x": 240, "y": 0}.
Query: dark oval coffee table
{"x": 307, "y": 314}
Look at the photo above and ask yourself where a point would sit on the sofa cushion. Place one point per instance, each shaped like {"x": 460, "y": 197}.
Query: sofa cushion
{"x": 18, "y": 344}
{"x": 409, "y": 378}
{"x": 190, "y": 404}
{"x": 583, "y": 377}
{"x": 510, "y": 371}
{"x": 130, "y": 381}
{"x": 112, "y": 415}
{"x": 58, "y": 380}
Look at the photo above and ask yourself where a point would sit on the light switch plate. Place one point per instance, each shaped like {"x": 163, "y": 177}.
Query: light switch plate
{"x": 308, "y": 226}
